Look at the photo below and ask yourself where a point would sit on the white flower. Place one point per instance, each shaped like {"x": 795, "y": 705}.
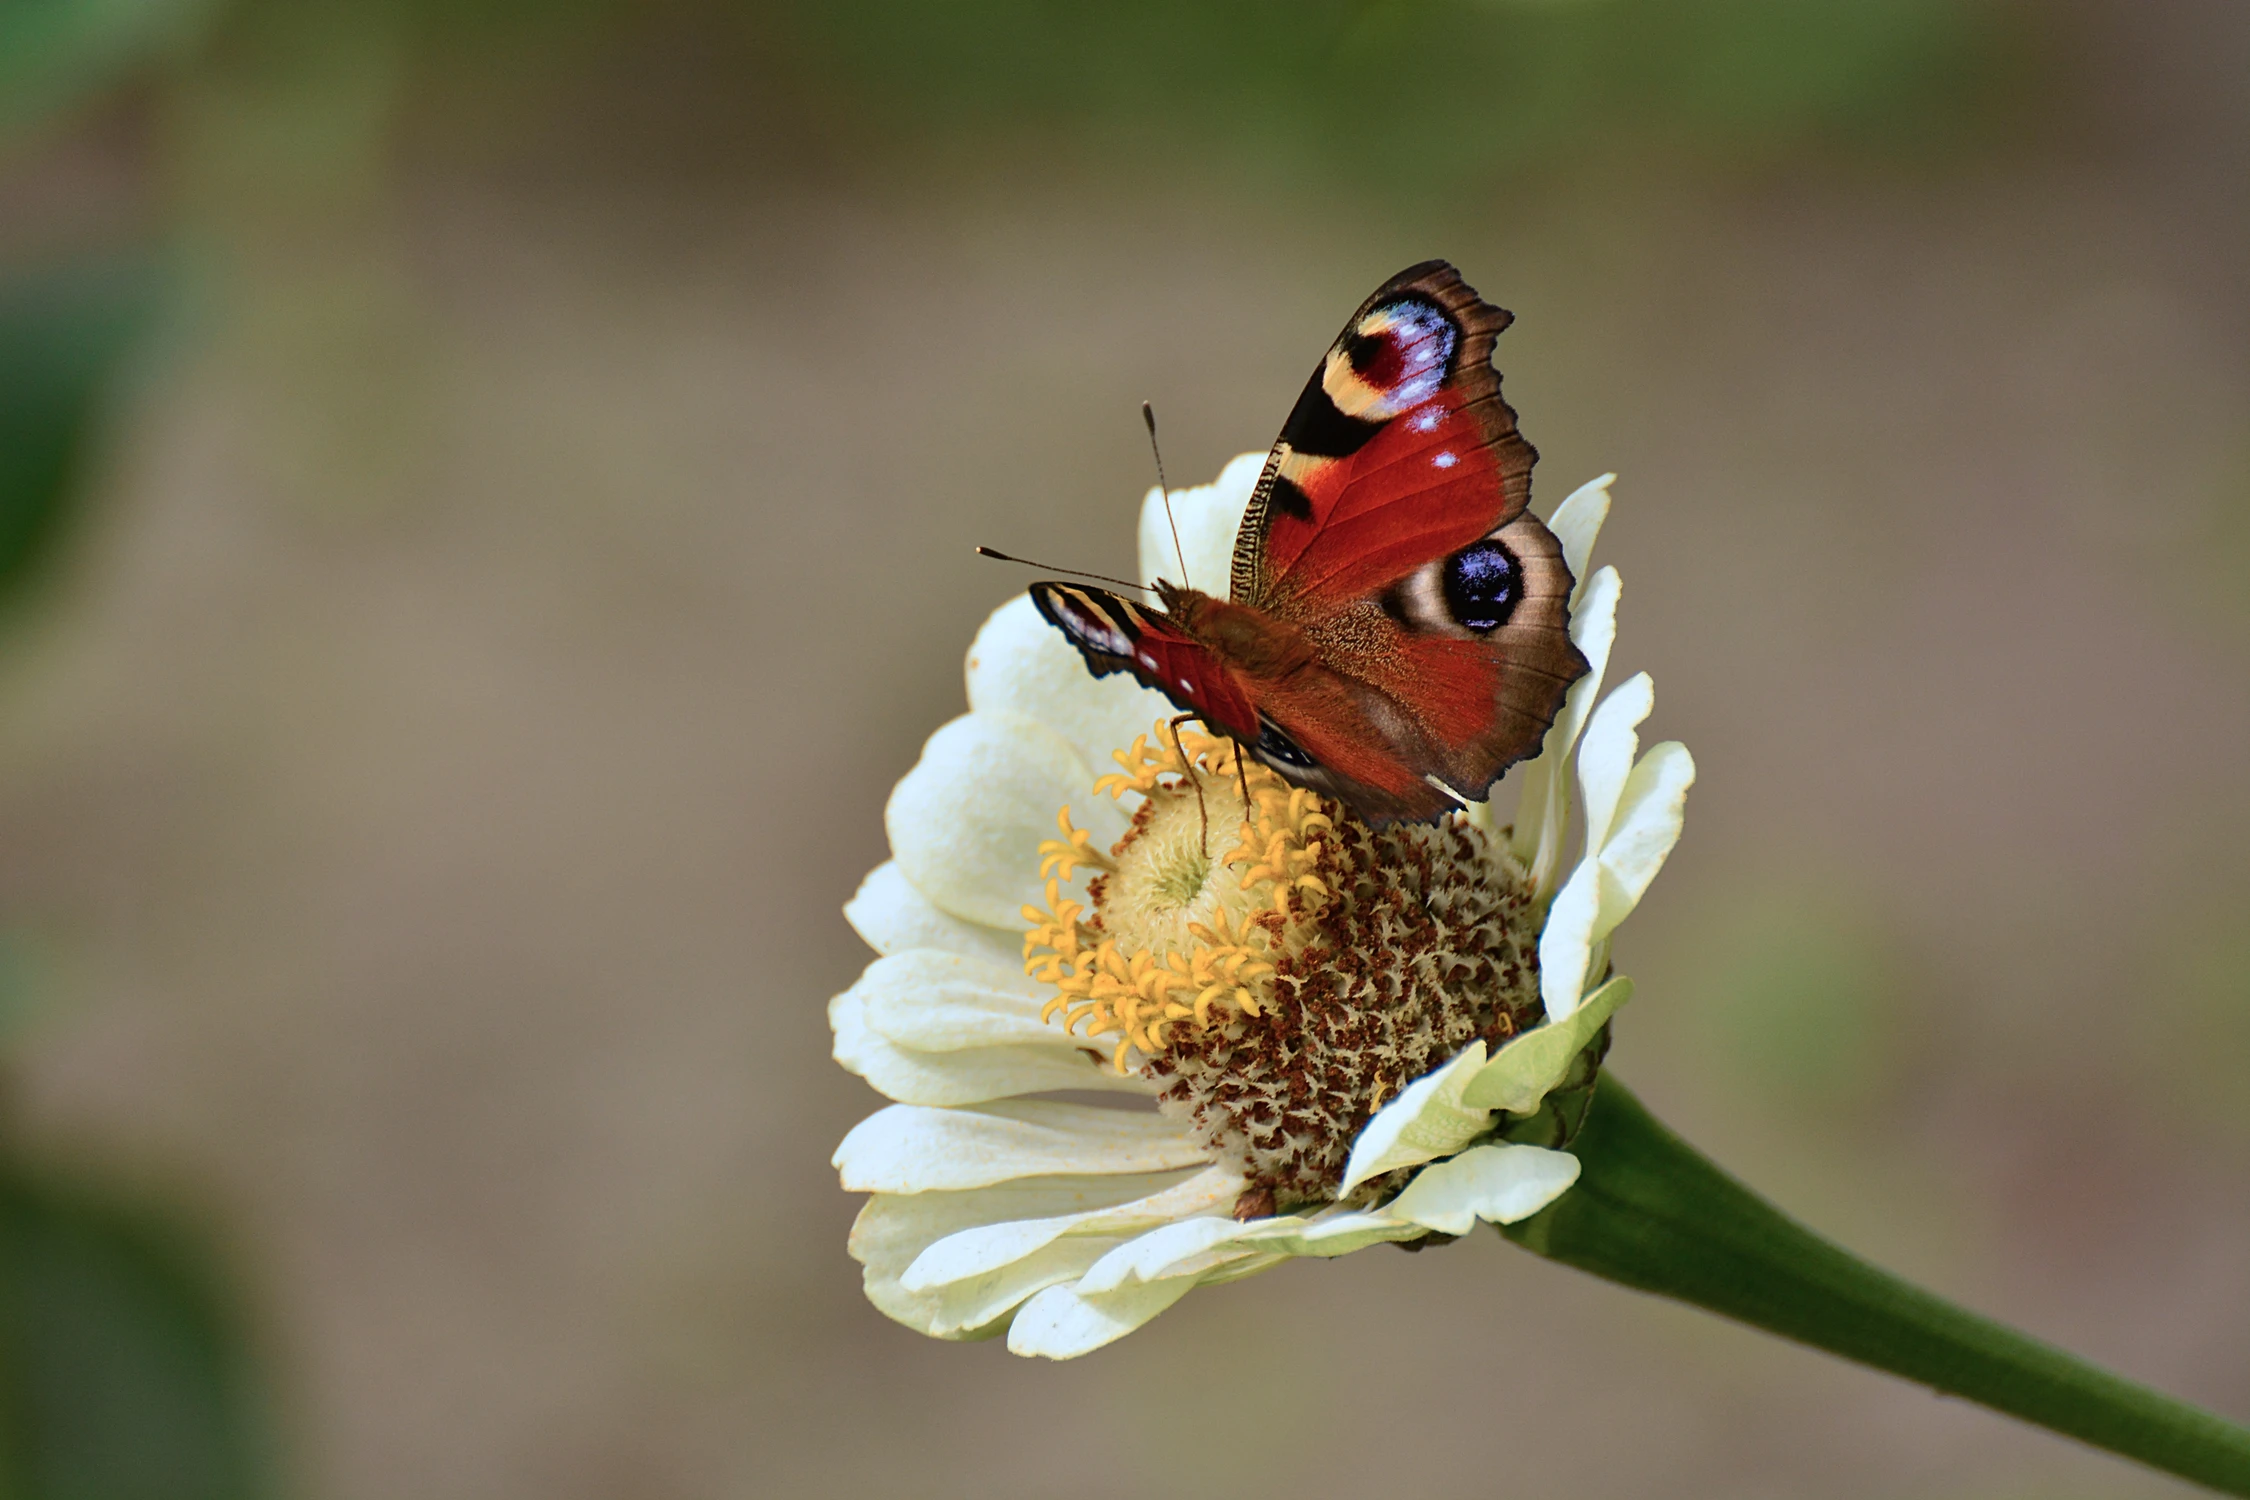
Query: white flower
{"x": 1267, "y": 986}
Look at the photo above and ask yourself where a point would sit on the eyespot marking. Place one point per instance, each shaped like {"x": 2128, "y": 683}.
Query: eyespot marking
{"x": 1483, "y": 582}
{"x": 1391, "y": 360}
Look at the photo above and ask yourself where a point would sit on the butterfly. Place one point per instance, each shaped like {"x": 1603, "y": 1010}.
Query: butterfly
{"x": 1396, "y": 630}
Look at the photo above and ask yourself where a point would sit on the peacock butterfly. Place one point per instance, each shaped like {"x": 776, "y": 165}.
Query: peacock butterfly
{"x": 1396, "y": 633}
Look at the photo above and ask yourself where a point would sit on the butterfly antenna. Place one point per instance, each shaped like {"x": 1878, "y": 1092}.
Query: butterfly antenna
{"x": 1148, "y": 415}
{"x": 997, "y": 556}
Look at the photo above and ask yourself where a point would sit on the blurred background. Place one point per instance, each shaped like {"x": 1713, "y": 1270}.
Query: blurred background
{"x": 485, "y": 504}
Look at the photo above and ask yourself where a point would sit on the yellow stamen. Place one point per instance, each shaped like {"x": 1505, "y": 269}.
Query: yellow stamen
{"x": 1200, "y": 952}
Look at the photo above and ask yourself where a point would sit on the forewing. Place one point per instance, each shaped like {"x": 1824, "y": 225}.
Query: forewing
{"x": 1399, "y": 450}
{"x": 1114, "y": 634}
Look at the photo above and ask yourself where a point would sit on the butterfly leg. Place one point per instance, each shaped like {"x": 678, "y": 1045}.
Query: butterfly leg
{"x": 1242, "y": 774}
{"x": 1202, "y": 811}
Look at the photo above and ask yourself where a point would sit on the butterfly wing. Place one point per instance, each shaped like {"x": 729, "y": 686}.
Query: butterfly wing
{"x": 1389, "y": 526}
{"x": 1114, "y": 634}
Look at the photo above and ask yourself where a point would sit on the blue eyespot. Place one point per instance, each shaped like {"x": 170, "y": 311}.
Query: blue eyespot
{"x": 1483, "y": 583}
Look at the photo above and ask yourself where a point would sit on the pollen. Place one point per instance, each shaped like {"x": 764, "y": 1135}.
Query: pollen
{"x": 1279, "y": 980}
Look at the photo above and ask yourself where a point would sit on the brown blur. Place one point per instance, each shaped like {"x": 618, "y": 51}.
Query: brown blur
{"x": 428, "y": 788}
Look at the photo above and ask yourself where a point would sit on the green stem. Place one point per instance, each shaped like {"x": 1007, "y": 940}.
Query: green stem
{"x": 1652, "y": 1212}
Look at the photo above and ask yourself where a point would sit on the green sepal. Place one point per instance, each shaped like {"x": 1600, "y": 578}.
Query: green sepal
{"x": 1562, "y": 1114}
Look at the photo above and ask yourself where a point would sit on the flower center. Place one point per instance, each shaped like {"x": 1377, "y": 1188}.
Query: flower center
{"x": 1278, "y": 966}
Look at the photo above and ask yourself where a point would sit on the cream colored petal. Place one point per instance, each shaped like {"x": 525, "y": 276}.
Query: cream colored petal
{"x": 1523, "y": 1072}
{"x": 1335, "y": 1234}
{"x": 1605, "y": 760}
{"x": 1650, "y": 812}
{"x": 1209, "y": 516}
{"x": 940, "y": 1002}
{"x": 1233, "y": 1265}
{"x": 984, "y": 1248}
{"x": 891, "y": 916}
{"x": 1022, "y": 665}
{"x": 1593, "y": 901}
{"x": 1059, "y": 1323}
{"x": 1160, "y": 1252}
{"x": 910, "y": 1148}
{"x": 1499, "y": 1184}
{"x": 966, "y": 823}
{"x": 972, "y": 1075}
{"x": 1566, "y": 943}
{"x": 927, "y": 1027}
{"x": 970, "y": 1309}
{"x": 1577, "y": 521}
{"x": 976, "y": 1308}
{"x": 1427, "y": 1120}
{"x": 1543, "y": 801}
{"x": 893, "y": 1230}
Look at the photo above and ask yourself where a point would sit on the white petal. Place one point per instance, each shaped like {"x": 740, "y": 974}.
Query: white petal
{"x": 892, "y": 917}
{"x": 967, "y": 1076}
{"x": 1524, "y": 1071}
{"x": 1649, "y": 814}
{"x": 892, "y": 1230}
{"x": 1022, "y": 665}
{"x": 966, "y": 823}
{"x": 1426, "y": 1120}
{"x": 1543, "y": 803}
{"x": 941, "y": 1002}
{"x": 911, "y": 1148}
{"x": 1499, "y": 1184}
{"x": 1152, "y": 1256}
{"x": 1577, "y": 521}
{"x": 927, "y": 1027}
{"x": 1606, "y": 759}
{"x": 1633, "y": 817}
{"x": 1059, "y": 1323}
{"x": 1334, "y": 1233}
{"x": 1566, "y": 943}
{"x": 987, "y": 1247}
{"x": 976, "y": 1252}
{"x": 1209, "y": 516}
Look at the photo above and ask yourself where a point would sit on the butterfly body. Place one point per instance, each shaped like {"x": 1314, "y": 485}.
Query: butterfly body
{"x": 1395, "y": 633}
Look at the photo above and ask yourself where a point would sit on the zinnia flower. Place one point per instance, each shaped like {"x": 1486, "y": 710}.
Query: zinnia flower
{"x": 1322, "y": 1037}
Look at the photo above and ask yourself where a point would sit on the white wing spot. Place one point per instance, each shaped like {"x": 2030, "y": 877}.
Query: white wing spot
{"x": 1098, "y": 632}
{"x": 1148, "y": 661}
{"x": 1186, "y": 686}
{"x": 1444, "y": 461}
{"x": 1427, "y": 419}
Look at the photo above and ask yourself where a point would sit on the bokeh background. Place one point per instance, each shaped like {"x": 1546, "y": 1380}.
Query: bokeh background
{"x": 513, "y": 468}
